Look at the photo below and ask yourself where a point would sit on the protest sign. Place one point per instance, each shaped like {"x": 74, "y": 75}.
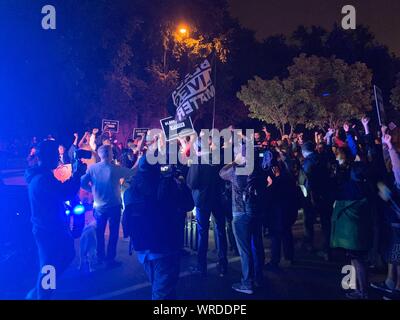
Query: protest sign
{"x": 63, "y": 172}
{"x": 110, "y": 125}
{"x": 139, "y": 132}
{"x": 174, "y": 129}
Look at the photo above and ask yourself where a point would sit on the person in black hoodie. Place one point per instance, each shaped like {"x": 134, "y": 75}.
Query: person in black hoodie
{"x": 283, "y": 203}
{"x": 318, "y": 201}
{"x": 49, "y": 221}
{"x": 205, "y": 183}
{"x": 154, "y": 221}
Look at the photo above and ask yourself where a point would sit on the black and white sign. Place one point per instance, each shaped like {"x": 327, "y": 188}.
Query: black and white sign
{"x": 174, "y": 129}
{"x": 110, "y": 125}
{"x": 380, "y": 109}
{"x": 196, "y": 89}
{"x": 139, "y": 132}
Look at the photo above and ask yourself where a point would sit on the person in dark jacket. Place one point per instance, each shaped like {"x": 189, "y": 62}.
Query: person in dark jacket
{"x": 154, "y": 219}
{"x": 283, "y": 203}
{"x": 318, "y": 184}
{"x": 51, "y": 232}
{"x": 205, "y": 183}
{"x": 63, "y": 155}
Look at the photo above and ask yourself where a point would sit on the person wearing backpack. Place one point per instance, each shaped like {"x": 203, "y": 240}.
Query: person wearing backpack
{"x": 247, "y": 224}
{"x": 154, "y": 220}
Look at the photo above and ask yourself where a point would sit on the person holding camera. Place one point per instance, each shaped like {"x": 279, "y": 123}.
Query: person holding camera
{"x": 50, "y": 229}
{"x": 155, "y": 215}
{"x": 103, "y": 180}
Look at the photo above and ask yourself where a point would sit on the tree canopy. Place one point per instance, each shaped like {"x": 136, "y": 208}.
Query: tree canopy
{"x": 318, "y": 92}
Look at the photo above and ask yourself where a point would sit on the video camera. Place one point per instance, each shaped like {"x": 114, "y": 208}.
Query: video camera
{"x": 82, "y": 154}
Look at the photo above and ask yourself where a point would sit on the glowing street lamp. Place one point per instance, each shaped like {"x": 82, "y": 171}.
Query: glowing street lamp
{"x": 183, "y": 30}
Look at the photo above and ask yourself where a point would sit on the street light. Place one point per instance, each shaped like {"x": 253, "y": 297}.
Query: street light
{"x": 179, "y": 34}
{"x": 183, "y": 31}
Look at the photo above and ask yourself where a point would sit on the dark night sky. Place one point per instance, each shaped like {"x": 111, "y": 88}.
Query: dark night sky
{"x": 270, "y": 17}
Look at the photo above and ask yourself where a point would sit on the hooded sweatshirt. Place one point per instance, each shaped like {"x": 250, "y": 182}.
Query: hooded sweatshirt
{"x": 47, "y": 196}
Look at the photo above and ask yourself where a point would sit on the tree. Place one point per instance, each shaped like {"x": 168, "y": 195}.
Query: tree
{"x": 269, "y": 101}
{"x": 338, "y": 91}
{"x": 318, "y": 92}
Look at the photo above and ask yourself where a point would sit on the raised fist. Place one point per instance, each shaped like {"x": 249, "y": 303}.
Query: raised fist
{"x": 365, "y": 121}
{"x": 387, "y": 139}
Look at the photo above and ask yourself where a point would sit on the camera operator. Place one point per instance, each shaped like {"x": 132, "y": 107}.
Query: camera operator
{"x": 50, "y": 229}
{"x": 158, "y": 202}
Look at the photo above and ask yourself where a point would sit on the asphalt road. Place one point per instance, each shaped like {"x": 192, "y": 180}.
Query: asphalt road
{"x": 310, "y": 278}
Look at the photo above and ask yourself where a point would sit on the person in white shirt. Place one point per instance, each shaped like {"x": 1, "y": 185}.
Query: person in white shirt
{"x": 103, "y": 179}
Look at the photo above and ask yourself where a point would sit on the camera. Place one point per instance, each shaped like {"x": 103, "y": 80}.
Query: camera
{"x": 82, "y": 154}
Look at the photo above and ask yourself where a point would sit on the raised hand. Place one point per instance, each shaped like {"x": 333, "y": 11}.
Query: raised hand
{"x": 383, "y": 130}
{"x": 387, "y": 139}
{"x": 365, "y": 121}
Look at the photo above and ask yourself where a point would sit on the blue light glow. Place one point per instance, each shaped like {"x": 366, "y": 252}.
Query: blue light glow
{"x": 79, "y": 209}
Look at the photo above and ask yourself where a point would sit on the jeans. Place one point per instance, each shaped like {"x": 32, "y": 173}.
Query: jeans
{"x": 248, "y": 232}
{"x": 113, "y": 216}
{"x": 163, "y": 274}
{"x": 54, "y": 249}
{"x": 203, "y": 225}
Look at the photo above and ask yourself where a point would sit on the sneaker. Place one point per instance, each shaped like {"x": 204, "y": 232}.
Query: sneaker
{"x": 222, "y": 269}
{"x": 381, "y": 286}
{"x": 356, "y": 295}
{"x": 287, "y": 263}
{"x": 324, "y": 255}
{"x": 199, "y": 271}
{"x": 239, "y": 287}
{"x": 394, "y": 295}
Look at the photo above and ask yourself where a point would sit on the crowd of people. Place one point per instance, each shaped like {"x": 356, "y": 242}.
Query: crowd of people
{"x": 346, "y": 179}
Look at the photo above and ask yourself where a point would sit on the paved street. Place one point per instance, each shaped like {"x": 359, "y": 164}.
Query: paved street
{"x": 308, "y": 278}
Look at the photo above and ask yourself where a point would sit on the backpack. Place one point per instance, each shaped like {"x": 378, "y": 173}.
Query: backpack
{"x": 174, "y": 194}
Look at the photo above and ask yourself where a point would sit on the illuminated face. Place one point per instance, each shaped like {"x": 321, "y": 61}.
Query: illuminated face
{"x": 61, "y": 150}
{"x": 257, "y": 136}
